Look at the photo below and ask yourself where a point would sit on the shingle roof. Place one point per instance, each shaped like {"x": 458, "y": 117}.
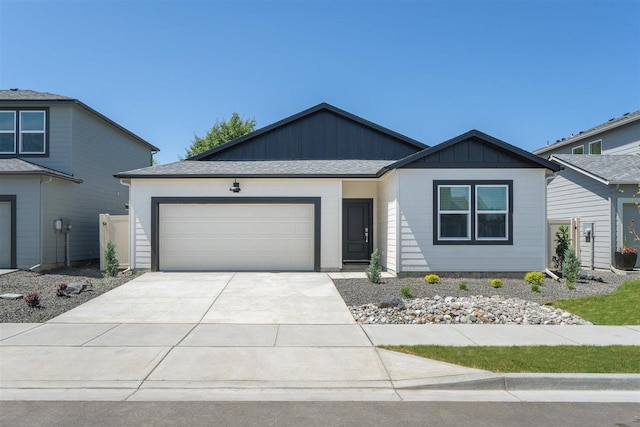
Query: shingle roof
{"x": 33, "y": 97}
{"x": 30, "y": 95}
{"x": 606, "y": 168}
{"x": 22, "y": 167}
{"x": 614, "y": 122}
{"x": 262, "y": 168}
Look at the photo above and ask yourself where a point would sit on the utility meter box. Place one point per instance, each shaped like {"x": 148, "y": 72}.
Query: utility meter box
{"x": 587, "y": 231}
{"x": 62, "y": 225}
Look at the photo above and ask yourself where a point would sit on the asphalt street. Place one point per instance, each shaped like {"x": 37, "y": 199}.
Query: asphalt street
{"x": 311, "y": 414}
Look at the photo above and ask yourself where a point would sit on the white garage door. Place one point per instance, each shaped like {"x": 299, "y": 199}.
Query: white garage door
{"x": 5, "y": 234}
{"x": 242, "y": 237}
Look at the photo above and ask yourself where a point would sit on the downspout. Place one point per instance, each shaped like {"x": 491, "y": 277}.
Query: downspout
{"x": 127, "y": 183}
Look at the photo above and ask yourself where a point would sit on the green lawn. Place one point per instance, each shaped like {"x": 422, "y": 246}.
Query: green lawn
{"x": 543, "y": 359}
{"x": 621, "y": 307}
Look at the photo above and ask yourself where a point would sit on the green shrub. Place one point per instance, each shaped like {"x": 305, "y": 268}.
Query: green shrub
{"x": 432, "y": 278}
{"x": 535, "y": 288}
{"x": 406, "y": 292}
{"x": 562, "y": 244}
{"x": 462, "y": 286}
{"x": 535, "y": 278}
{"x": 570, "y": 268}
{"x": 110, "y": 260}
{"x": 496, "y": 283}
{"x": 374, "y": 271}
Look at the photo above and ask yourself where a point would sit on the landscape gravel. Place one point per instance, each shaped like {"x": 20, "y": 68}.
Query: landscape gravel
{"x": 46, "y": 284}
{"x": 445, "y": 302}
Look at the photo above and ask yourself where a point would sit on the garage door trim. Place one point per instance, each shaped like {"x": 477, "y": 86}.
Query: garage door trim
{"x": 12, "y": 201}
{"x": 157, "y": 201}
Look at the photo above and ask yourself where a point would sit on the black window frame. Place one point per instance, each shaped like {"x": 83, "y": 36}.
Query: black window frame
{"x": 472, "y": 212}
{"x": 17, "y": 152}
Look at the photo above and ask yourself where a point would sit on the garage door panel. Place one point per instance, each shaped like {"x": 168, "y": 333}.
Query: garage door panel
{"x": 236, "y": 237}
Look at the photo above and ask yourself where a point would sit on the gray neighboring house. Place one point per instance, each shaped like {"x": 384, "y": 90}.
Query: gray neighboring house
{"x": 323, "y": 188}
{"x": 57, "y": 160}
{"x": 598, "y": 184}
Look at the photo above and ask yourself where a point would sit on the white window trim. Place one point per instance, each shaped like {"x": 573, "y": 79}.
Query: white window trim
{"x": 457, "y": 212}
{"x": 43, "y": 132}
{"x": 573, "y": 150}
{"x": 14, "y": 132}
{"x": 595, "y": 142}
{"x": 505, "y": 212}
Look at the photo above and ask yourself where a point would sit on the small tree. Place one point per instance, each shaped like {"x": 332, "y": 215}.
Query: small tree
{"x": 374, "y": 271}
{"x": 111, "y": 262}
{"x": 570, "y": 268}
{"x": 562, "y": 244}
{"x": 221, "y": 132}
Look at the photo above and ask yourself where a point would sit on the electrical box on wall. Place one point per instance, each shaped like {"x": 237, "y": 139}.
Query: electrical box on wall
{"x": 587, "y": 231}
{"x": 62, "y": 225}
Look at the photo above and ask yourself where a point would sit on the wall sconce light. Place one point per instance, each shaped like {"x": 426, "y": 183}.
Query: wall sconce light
{"x": 235, "y": 187}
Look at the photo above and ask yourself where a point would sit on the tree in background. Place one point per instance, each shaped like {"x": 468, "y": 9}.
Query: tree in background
{"x": 221, "y": 132}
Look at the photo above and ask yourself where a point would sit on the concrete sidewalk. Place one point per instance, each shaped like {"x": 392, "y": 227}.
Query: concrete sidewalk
{"x": 268, "y": 336}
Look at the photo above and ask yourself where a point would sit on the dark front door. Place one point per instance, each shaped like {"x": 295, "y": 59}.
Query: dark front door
{"x": 357, "y": 229}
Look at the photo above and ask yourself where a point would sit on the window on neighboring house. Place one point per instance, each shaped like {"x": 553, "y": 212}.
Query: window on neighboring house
{"x": 477, "y": 212}
{"x": 578, "y": 150}
{"x": 7, "y": 132}
{"x": 23, "y": 132}
{"x": 595, "y": 147}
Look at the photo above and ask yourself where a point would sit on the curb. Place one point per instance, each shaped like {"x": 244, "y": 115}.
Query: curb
{"x": 533, "y": 382}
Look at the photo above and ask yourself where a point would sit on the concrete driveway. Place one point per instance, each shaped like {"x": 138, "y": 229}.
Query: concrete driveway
{"x": 220, "y": 336}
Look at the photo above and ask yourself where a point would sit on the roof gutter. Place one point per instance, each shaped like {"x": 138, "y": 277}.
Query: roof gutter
{"x": 43, "y": 173}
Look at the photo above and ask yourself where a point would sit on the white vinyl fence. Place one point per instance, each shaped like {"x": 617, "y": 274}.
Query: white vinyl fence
{"x": 115, "y": 228}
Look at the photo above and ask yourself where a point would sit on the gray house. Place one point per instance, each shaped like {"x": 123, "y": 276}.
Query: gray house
{"x": 323, "y": 188}
{"x": 57, "y": 160}
{"x": 598, "y": 184}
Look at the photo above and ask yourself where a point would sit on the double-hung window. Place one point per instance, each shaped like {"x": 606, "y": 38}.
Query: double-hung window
{"x": 595, "y": 147}
{"x": 23, "y": 131}
{"x": 473, "y": 212}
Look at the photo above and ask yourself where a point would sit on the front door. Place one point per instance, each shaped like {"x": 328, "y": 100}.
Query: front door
{"x": 357, "y": 230}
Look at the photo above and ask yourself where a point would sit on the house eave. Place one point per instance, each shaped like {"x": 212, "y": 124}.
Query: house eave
{"x": 240, "y": 175}
{"x": 44, "y": 173}
{"x": 581, "y": 171}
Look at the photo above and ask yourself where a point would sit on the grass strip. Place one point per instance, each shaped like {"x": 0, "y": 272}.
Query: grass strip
{"x": 621, "y": 307}
{"x": 537, "y": 359}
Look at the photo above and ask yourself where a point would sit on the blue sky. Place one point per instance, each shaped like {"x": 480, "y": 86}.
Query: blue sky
{"x": 522, "y": 71}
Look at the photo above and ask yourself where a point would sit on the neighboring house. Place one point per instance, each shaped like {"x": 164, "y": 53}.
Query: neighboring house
{"x": 598, "y": 184}
{"x": 324, "y": 188}
{"x": 57, "y": 160}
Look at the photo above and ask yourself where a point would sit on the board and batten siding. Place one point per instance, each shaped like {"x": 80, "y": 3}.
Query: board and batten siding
{"x": 27, "y": 192}
{"x": 329, "y": 190}
{"x": 572, "y": 194}
{"x": 415, "y": 213}
{"x": 387, "y": 224}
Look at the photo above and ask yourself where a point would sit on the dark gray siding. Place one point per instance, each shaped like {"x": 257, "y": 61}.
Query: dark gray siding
{"x": 322, "y": 135}
{"x": 471, "y": 153}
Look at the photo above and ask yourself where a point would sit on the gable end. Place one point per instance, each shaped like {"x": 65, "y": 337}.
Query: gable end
{"x": 320, "y": 133}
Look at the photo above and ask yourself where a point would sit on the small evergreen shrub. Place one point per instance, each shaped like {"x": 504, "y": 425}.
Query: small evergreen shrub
{"x": 496, "y": 283}
{"x": 535, "y": 288}
{"x": 462, "y": 286}
{"x": 535, "y": 278}
{"x": 562, "y": 244}
{"x": 406, "y": 292}
{"x": 32, "y": 299}
{"x": 61, "y": 291}
{"x": 111, "y": 262}
{"x": 432, "y": 279}
{"x": 374, "y": 271}
{"x": 570, "y": 268}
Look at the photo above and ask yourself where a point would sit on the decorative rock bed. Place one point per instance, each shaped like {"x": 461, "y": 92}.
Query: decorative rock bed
{"x": 474, "y": 309}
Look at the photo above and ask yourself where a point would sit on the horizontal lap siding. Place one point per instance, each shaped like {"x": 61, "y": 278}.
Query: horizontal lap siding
{"x": 572, "y": 194}
{"x": 416, "y": 210}
{"x": 387, "y": 224}
{"x": 329, "y": 191}
{"x": 99, "y": 151}
{"x": 620, "y": 140}
{"x": 27, "y": 192}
